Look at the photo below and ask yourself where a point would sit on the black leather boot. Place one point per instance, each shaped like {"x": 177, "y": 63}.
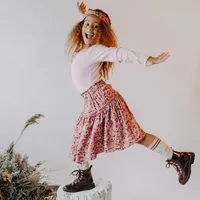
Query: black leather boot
{"x": 83, "y": 182}
{"x": 182, "y": 162}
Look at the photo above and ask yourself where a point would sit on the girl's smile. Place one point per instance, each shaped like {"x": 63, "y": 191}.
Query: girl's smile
{"x": 91, "y": 32}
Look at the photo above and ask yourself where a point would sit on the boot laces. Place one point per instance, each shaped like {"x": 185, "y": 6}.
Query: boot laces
{"x": 175, "y": 165}
{"x": 79, "y": 174}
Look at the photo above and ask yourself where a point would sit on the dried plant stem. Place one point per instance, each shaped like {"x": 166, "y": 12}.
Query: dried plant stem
{"x": 31, "y": 121}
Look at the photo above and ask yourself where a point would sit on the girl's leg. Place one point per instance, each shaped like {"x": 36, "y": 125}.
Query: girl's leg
{"x": 181, "y": 161}
{"x": 84, "y": 180}
{"x": 84, "y": 165}
{"x": 156, "y": 144}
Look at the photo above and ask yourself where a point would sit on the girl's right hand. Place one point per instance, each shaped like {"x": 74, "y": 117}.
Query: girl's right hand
{"x": 81, "y": 8}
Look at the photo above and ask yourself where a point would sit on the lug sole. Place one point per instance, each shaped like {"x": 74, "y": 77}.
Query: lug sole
{"x": 191, "y": 161}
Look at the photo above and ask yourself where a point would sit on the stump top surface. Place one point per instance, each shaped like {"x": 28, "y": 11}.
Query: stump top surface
{"x": 102, "y": 187}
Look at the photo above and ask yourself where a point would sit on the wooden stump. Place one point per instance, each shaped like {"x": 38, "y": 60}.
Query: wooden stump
{"x": 102, "y": 191}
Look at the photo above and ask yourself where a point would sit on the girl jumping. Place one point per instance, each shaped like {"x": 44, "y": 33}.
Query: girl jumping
{"x": 106, "y": 124}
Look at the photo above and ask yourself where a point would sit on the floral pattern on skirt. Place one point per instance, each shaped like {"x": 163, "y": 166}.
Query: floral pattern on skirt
{"x": 106, "y": 124}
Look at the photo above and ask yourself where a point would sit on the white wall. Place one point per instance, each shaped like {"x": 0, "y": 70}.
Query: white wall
{"x": 35, "y": 78}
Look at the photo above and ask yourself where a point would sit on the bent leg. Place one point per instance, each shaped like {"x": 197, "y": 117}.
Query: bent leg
{"x": 156, "y": 144}
{"x": 181, "y": 161}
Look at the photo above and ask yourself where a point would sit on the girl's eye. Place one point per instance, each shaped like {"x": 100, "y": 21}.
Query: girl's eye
{"x": 96, "y": 26}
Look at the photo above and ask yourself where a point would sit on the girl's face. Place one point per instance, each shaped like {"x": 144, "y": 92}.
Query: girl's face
{"x": 91, "y": 31}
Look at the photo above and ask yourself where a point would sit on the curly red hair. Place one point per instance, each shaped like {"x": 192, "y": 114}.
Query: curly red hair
{"x": 108, "y": 38}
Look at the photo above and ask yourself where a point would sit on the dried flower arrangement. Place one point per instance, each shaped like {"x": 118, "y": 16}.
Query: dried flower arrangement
{"x": 18, "y": 179}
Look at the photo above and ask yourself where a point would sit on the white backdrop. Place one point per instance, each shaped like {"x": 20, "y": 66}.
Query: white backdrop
{"x": 165, "y": 99}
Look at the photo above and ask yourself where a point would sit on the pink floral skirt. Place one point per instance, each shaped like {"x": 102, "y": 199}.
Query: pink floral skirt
{"x": 106, "y": 124}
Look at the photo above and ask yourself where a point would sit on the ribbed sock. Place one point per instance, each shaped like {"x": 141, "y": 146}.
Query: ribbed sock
{"x": 160, "y": 147}
{"x": 84, "y": 165}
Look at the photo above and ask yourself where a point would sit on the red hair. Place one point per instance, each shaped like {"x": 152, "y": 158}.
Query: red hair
{"x": 108, "y": 39}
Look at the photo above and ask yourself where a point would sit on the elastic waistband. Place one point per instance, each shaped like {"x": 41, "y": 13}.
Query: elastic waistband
{"x": 94, "y": 87}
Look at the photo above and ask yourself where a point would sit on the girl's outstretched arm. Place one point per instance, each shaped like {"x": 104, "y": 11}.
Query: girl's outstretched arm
{"x": 100, "y": 53}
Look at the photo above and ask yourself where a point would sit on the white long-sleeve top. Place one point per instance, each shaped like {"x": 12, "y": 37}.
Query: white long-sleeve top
{"x": 85, "y": 64}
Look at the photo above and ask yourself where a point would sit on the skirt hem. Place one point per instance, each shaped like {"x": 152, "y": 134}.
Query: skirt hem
{"x": 94, "y": 156}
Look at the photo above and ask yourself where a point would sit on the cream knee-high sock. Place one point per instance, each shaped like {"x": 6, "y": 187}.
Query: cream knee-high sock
{"x": 160, "y": 147}
{"x": 84, "y": 165}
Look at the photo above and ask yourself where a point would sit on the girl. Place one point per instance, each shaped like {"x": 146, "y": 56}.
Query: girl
{"x": 106, "y": 123}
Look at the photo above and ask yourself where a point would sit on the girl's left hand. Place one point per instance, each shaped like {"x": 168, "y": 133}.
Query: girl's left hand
{"x": 157, "y": 60}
